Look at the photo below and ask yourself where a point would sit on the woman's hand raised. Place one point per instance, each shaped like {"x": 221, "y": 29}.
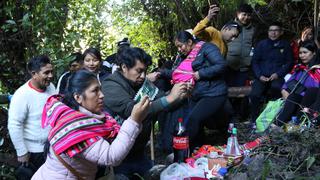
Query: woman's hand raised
{"x": 140, "y": 110}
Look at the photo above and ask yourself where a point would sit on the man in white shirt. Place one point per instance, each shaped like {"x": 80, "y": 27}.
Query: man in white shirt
{"x": 25, "y": 113}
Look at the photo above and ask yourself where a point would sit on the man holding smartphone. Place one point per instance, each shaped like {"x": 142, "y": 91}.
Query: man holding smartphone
{"x": 208, "y": 33}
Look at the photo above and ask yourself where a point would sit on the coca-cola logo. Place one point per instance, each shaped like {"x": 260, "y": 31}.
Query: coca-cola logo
{"x": 180, "y": 142}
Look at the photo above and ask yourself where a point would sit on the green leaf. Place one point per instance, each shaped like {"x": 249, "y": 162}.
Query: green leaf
{"x": 310, "y": 161}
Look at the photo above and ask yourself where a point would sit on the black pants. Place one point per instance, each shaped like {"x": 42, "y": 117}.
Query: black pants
{"x": 291, "y": 108}
{"x": 312, "y": 99}
{"x": 236, "y": 78}
{"x": 25, "y": 172}
{"x": 270, "y": 90}
{"x": 202, "y": 110}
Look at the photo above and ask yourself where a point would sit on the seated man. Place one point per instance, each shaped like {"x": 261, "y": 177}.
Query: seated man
{"x": 120, "y": 90}
{"x": 271, "y": 61}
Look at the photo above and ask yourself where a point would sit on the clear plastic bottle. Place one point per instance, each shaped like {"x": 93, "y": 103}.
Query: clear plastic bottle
{"x": 233, "y": 148}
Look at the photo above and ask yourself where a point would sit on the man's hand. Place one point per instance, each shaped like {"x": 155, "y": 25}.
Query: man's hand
{"x": 264, "y": 79}
{"x": 273, "y": 76}
{"x": 24, "y": 159}
{"x": 213, "y": 11}
{"x": 153, "y": 76}
{"x": 178, "y": 91}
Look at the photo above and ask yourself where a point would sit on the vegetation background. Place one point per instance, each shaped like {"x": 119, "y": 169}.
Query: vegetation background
{"x": 58, "y": 28}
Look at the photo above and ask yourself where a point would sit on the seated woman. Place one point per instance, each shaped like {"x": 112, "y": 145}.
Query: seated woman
{"x": 204, "y": 67}
{"x": 304, "y": 78}
{"x": 92, "y": 62}
{"x": 82, "y": 135}
{"x": 121, "y": 89}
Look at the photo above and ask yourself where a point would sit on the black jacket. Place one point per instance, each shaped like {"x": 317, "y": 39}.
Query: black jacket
{"x": 211, "y": 66}
{"x": 118, "y": 98}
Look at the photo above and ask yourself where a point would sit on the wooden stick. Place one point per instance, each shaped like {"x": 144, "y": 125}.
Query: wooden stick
{"x": 152, "y": 142}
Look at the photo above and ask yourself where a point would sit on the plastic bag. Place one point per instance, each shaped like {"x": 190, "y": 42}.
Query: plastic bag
{"x": 174, "y": 172}
{"x": 268, "y": 114}
{"x": 180, "y": 171}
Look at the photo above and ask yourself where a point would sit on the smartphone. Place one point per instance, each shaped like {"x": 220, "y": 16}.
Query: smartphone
{"x": 212, "y": 2}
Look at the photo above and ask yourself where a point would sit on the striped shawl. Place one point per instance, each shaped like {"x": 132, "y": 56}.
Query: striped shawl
{"x": 73, "y": 131}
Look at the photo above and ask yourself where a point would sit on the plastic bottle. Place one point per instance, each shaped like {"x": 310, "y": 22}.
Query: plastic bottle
{"x": 233, "y": 148}
{"x": 231, "y": 126}
{"x": 180, "y": 143}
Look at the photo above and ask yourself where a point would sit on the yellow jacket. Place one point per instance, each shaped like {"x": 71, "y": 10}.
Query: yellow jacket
{"x": 210, "y": 34}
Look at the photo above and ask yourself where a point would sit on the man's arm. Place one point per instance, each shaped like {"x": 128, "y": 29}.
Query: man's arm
{"x": 17, "y": 116}
{"x": 256, "y": 58}
{"x": 288, "y": 64}
{"x": 121, "y": 102}
{"x": 202, "y": 25}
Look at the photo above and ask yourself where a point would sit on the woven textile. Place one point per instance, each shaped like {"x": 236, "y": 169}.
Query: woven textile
{"x": 184, "y": 72}
{"x": 73, "y": 131}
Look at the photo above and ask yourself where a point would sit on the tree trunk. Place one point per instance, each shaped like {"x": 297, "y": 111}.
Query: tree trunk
{"x": 181, "y": 11}
{"x": 316, "y": 18}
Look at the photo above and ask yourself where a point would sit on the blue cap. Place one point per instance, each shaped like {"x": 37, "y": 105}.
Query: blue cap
{"x": 223, "y": 171}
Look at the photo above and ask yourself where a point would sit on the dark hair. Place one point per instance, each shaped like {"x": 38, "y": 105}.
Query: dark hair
{"x": 123, "y": 42}
{"x": 76, "y": 57}
{"x": 78, "y": 82}
{"x": 36, "y": 63}
{"x": 232, "y": 24}
{"x": 92, "y": 51}
{"x": 184, "y": 36}
{"x": 245, "y": 8}
{"x": 131, "y": 55}
{"x": 276, "y": 23}
{"x": 311, "y": 46}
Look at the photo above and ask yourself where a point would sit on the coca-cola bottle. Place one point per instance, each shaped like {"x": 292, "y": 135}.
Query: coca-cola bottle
{"x": 180, "y": 142}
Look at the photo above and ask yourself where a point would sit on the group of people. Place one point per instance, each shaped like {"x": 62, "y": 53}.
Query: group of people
{"x": 95, "y": 118}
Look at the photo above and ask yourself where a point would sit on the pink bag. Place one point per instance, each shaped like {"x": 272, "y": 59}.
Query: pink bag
{"x": 184, "y": 72}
